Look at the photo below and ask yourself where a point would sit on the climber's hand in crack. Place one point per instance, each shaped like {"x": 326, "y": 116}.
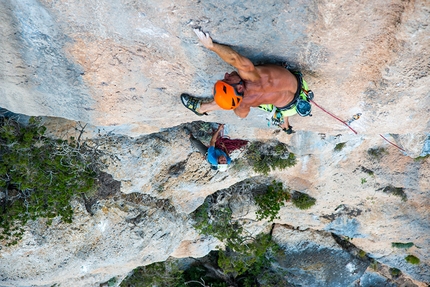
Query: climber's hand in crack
{"x": 204, "y": 38}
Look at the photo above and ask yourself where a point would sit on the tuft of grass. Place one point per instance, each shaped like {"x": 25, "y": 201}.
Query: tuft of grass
{"x": 412, "y": 259}
{"x": 402, "y": 245}
{"x": 395, "y": 272}
{"x": 374, "y": 265}
{"x": 421, "y": 158}
{"x": 362, "y": 253}
{"x": 339, "y": 146}
{"x": 302, "y": 200}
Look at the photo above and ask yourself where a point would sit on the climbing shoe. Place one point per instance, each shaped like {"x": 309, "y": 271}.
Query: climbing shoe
{"x": 192, "y": 103}
{"x": 289, "y": 130}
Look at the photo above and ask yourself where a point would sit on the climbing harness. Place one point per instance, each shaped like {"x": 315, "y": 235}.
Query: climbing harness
{"x": 275, "y": 117}
{"x": 300, "y": 104}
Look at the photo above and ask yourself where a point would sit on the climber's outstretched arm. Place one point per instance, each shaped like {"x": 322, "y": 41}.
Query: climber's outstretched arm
{"x": 216, "y": 135}
{"x": 245, "y": 67}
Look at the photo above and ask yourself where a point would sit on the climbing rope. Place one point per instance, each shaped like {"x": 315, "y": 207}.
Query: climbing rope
{"x": 393, "y": 143}
{"x": 333, "y": 116}
{"x": 346, "y": 124}
{"x": 228, "y": 145}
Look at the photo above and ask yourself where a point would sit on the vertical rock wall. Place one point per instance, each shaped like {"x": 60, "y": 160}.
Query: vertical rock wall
{"x": 120, "y": 65}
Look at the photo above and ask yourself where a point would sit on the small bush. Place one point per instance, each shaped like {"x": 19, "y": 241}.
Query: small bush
{"x": 339, "y": 147}
{"x": 243, "y": 253}
{"x": 252, "y": 258}
{"x": 374, "y": 265}
{"x": 395, "y": 272}
{"x": 157, "y": 274}
{"x": 218, "y": 223}
{"x": 402, "y": 245}
{"x": 302, "y": 200}
{"x": 112, "y": 282}
{"x": 268, "y": 157}
{"x": 412, "y": 259}
{"x": 271, "y": 201}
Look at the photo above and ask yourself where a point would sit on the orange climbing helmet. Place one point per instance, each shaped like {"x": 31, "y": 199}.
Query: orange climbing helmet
{"x": 226, "y": 96}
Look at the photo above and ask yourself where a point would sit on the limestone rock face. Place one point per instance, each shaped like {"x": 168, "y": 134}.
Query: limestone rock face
{"x": 124, "y": 64}
{"x": 120, "y": 66}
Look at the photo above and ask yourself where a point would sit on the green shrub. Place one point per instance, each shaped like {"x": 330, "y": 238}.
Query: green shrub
{"x": 243, "y": 253}
{"x": 395, "y": 272}
{"x": 112, "y": 282}
{"x": 159, "y": 274}
{"x": 252, "y": 257}
{"x": 271, "y": 201}
{"x": 219, "y": 224}
{"x": 402, "y": 245}
{"x": 374, "y": 265}
{"x": 412, "y": 259}
{"x": 302, "y": 200}
{"x": 339, "y": 146}
{"x": 38, "y": 177}
{"x": 268, "y": 157}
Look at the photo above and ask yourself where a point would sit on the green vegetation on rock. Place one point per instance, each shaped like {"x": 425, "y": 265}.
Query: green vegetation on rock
{"x": 395, "y": 272}
{"x": 163, "y": 274}
{"x": 402, "y": 245}
{"x": 268, "y": 157}
{"x": 245, "y": 256}
{"x": 38, "y": 176}
{"x": 271, "y": 201}
{"x": 302, "y": 200}
{"x": 412, "y": 259}
{"x": 339, "y": 146}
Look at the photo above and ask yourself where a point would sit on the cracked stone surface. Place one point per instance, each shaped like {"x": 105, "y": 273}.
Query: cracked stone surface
{"x": 120, "y": 66}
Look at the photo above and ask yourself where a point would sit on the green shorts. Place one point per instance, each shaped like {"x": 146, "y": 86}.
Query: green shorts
{"x": 289, "y": 112}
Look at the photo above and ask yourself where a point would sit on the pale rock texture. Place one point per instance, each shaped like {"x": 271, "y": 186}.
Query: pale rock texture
{"x": 120, "y": 66}
{"x": 124, "y": 63}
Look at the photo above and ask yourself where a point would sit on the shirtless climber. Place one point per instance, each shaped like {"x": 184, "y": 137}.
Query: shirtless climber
{"x": 251, "y": 86}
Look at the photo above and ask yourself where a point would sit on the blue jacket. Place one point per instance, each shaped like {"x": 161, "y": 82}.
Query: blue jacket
{"x": 214, "y": 153}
